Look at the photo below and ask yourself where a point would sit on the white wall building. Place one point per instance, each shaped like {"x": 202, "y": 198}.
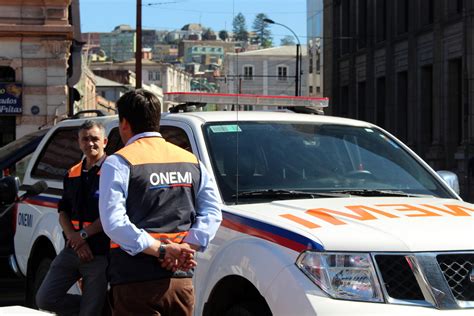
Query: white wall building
{"x": 166, "y": 76}
{"x": 268, "y": 71}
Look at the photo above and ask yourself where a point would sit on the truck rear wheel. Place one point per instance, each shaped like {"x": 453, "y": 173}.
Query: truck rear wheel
{"x": 34, "y": 283}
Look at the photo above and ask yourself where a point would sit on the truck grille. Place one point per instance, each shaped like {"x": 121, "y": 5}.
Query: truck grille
{"x": 458, "y": 272}
{"x": 398, "y": 278}
{"x": 439, "y": 280}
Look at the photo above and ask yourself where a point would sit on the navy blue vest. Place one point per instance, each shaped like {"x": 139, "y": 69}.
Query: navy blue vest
{"x": 162, "y": 187}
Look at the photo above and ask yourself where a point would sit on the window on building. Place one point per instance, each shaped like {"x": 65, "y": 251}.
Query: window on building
{"x": 361, "y": 101}
{"x": 310, "y": 66}
{"x": 402, "y": 16}
{"x": 455, "y": 6}
{"x": 310, "y": 89}
{"x": 7, "y": 74}
{"x": 381, "y": 102}
{"x": 361, "y": 23}
{"x": 282, "y": 72}
{"x": 345, "y": 25}
{"x": 427, "y": 104}
{"x": 455, "y": 100}
{"x": 248, "y": 72}
{"x": 427, "y": 12}
{"x": 318, "y": 89}
{"x": 380, "y": 20}
{"x": 344, "y": 105}
{"x": 154, "y": 76}
{"x": 402, "y": 105}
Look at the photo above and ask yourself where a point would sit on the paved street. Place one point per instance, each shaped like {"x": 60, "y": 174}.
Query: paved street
{"x": 11, "y": 287}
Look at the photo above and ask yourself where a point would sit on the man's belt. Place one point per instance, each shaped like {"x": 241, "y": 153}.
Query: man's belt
{"x": 173, "y": 237}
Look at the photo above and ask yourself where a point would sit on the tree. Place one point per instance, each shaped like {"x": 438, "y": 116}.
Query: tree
{"x": 262, "y": 29}
{"x": 240, "y": 28}
{"x": 208, "y": 34}
{"x": 288, "y": 40}
{"x": 223, "y": 35}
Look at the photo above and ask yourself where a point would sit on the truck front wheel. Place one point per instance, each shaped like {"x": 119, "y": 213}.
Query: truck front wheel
{"x": 34, "y": 283}
{"x": 248, "y": 308}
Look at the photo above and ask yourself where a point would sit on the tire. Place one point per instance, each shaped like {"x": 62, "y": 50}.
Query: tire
{"x": 247, "y": 308}
{"x": 34, "y": 283}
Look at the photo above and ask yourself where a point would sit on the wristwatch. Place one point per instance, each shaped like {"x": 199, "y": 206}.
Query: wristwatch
{"x": 161, "y": 252}
{"x": 83, "y": 234}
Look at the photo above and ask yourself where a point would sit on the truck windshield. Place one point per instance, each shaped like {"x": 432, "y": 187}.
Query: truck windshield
{"x": 253, "y": 157}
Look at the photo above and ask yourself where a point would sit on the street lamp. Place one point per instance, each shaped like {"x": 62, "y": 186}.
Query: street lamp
{"x": 298, "y": 57}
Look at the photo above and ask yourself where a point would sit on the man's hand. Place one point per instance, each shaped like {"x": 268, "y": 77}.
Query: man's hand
{"x": 178, "y": 256}
{"x": 75, "y": 241}
{"x": 84, "y": 253}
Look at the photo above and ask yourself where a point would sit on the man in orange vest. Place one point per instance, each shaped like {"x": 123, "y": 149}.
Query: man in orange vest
{"x": 85, "y": 254}
{"x": 158, "y": 204}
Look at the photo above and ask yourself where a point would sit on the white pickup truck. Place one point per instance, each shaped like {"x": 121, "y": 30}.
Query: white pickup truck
{"x": 321, "y": 216}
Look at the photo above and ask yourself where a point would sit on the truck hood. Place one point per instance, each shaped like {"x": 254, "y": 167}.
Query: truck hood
{"x": 359, "y": 224}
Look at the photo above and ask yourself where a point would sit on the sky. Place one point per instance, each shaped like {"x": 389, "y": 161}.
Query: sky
{"x": 104, "y": 15}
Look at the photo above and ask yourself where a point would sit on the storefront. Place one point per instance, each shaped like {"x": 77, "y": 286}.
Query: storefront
{"x": 10, "y": 104}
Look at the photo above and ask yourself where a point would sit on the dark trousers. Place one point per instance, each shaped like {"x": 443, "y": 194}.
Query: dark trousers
{"x": 166, "y": 297}
{"x": 65, "y": 270}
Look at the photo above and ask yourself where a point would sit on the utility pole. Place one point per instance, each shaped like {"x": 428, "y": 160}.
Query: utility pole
{"x": 297, "y": 70}
{"x": 138, "y": 49}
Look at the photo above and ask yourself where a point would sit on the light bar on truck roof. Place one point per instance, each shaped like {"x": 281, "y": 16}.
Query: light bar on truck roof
{"x": 244, "y": 99}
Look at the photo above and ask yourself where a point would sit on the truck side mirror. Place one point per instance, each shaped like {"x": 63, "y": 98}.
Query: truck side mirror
{"x": 9, "y": 187}
{"x": 450, "y": 178}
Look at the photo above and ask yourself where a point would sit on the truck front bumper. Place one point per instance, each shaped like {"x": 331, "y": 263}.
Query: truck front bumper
{"x": 293, "y": 293}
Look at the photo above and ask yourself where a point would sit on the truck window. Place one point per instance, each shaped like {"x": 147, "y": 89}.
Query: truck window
{"x": 114, "y": 142}
{"x": 311, "y": 157}
{"x": 60, "y": 153}
{"x": 177, "y": 136}
{"x": 172, "y": 134}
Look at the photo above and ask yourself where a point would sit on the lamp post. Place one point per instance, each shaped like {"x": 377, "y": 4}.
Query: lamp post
{"x": 298, "y": 57}
{"x": 138, "y": 50}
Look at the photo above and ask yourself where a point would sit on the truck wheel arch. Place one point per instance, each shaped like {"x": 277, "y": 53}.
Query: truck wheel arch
{"x": 42, "y": 249}
{"x": 232, "y": 291}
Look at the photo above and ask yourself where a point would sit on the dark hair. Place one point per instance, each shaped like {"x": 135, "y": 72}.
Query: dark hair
{"x": 142, "y": 109}
{"x": 87, "y": 125}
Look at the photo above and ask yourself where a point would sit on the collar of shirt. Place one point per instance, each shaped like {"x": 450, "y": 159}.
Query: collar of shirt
{"x": 141, "y": 135}
{"x": 97, "y": 164}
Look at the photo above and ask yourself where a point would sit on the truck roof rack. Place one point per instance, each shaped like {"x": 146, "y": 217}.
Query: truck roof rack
{"x": 183, "y": 100}
{"x": 81, "y": 114}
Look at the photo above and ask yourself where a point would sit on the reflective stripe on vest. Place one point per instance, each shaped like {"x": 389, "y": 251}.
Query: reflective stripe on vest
{"x": 76, "y": 224}
{"x": 173, "y": 237}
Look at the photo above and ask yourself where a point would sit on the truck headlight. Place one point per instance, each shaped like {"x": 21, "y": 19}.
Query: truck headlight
{"x": 348, "y": 276}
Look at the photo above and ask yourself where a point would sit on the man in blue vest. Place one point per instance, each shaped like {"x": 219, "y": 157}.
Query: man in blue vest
{"x": 85, "y": 254}
{"x": 158, "y": 204}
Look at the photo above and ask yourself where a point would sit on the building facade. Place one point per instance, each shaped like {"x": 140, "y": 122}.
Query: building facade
{"x": 120, "y": 44}
{"x": 314, "y": 24}
{"x": 166, "y": 76}
{"x": 38, "y": 40}
{"x": 270, "y": 71}
{"x": 406, "y": 65}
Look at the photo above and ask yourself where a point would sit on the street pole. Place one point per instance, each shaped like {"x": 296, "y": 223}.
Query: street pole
{"x": 298, "y": 57}
{"x": 297, "y": 70}
{"x": 138, "y": 49}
